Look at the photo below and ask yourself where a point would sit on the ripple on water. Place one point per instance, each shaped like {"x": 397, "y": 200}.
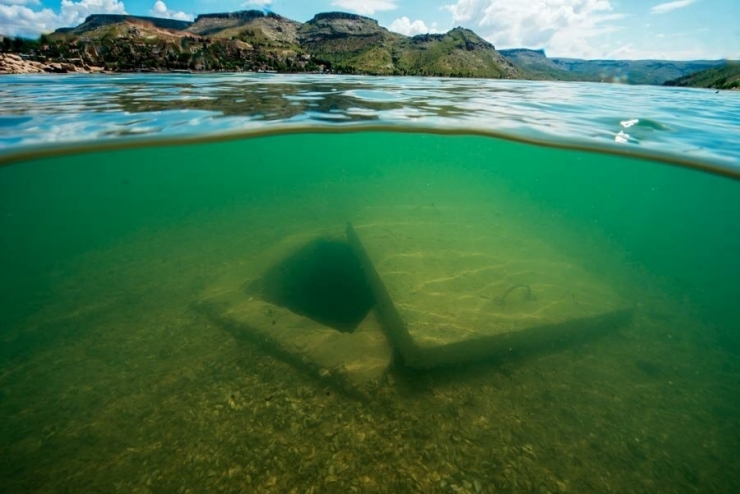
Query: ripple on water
{"x": 64, "y": 109}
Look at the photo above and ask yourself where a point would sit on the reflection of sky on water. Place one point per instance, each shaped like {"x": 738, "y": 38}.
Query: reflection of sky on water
{"x": 73, "y": 108}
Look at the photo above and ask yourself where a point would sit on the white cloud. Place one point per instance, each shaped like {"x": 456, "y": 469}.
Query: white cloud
{"x": 631, "y": 52}
{"x": 19, "y": 20}
{"x": 464, "y": 10}
{"x": 673, "y": 35}
{"x": 74, "y": 13}
{"x": 257, "y": 3}
{"x": 560, "y": 26}
{"x": 365, "y": 7}
{"x": 404, "y": 26}
{"x": 20, "y": 2}
{"x": 662, "y": 8}
{"x": 160, "y": 10}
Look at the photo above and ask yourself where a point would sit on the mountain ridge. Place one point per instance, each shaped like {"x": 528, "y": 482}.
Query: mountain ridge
{"x": 337, "y": 42}
{"x": 334, "y": 42}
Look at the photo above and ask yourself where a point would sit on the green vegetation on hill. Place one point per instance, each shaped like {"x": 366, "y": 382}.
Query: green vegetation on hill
{"x": 724, "y": 77}
{"x": 536, "y": 65}
{"x": 20, "y": 45}
{"x": 458, "y": 53}
{"x": 355, "y": 44}
{"x": 654, "y": 72}
{"x": 349, "y": 43}
{"x": 335, "y": 42}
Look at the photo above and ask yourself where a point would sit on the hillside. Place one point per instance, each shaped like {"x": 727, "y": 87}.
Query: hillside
{"x": 634, "y": 71}
{"x": 334, "y": 42}
{"x": 535, "y": 65}
{"x": 724, "y": 77}
{"x": 538, "y": 66}
{"x": 97, "y": 21}
{"x": 458, "y": 53}
{"x": 350, "y": 42}
{"x": 252, "y": 26}
{"x": 355, "y": 43}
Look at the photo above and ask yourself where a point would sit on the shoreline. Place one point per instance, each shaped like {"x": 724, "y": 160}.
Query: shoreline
{"x": 14, "y": 64}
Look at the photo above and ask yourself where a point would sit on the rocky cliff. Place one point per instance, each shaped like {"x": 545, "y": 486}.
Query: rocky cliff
{"x": 248, "y": 25}
{"x": 11, "y": 63}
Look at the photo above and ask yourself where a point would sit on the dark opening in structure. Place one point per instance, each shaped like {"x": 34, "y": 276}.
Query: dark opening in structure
{"x": 323, "y": 281}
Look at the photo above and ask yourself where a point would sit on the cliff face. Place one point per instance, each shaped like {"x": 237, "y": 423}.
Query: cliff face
{"x": 241, "y": 15}
{"x": 95, "y": 21}
{"x": 98, "y": 27}
{"x": 334, "y": 25}
{"x": 248, "y": 25}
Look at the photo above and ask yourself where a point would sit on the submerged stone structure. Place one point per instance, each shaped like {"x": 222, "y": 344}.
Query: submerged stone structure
{"x": 307, "y": 300}
{"x": 495, "y": 295}
{"x": 425, "y": 292}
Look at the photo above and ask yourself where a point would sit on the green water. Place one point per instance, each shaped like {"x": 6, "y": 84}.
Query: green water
{"x": 110, "y": 381}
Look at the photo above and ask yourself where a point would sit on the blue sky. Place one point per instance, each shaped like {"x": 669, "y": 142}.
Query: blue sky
{"x": 624, "y": 29}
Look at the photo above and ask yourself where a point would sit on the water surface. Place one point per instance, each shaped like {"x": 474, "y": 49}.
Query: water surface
{"x": 693, "y": 123}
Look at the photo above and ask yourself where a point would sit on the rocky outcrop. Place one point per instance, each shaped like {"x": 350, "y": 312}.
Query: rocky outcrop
{"x": 252, "y": 25}
{"x": 244, "y": 15}
{"x": 11, "y": 63}
{"x": 336, "y": 25}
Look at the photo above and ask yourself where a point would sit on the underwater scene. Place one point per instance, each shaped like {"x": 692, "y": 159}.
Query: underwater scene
{"x": 416, "y": 306}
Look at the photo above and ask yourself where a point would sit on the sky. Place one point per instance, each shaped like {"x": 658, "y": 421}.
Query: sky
{"x": 591, "y": 29}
